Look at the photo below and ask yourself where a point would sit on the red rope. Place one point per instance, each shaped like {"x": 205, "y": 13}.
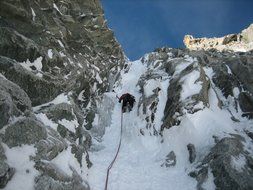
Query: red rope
{"x": 115, "y": 157}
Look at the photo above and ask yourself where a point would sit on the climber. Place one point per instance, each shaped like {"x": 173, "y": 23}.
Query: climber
{"x": 128, "y": 102}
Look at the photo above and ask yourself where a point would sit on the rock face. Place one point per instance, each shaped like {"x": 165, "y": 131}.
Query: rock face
{"x": 62, "y": 45}
{"x": 46, "y": 183}
{"x": 192, "y": 152}
{"x": 61, "y": 51}
{"x": 38, "y": 89}
{"x": 6, "y": 172}
{"x": 246, "y": 103}
{"x": 229, "y": 71}
{"x": 52, "y": 178}
{"x": 201, "y": 83}
{"x": 170, "y": 160}
{"x": 230, "y": 165}
{"x": 149, "y": 85}
{"x": 233, "y": 42}
{"x": 13, "y": 101}
{"x": 24, "y": 131}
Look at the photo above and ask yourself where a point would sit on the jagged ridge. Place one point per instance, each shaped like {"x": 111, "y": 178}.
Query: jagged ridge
{"x": 233, "y": 42}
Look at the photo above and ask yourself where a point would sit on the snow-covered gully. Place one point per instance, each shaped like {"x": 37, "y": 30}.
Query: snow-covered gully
{"x": 138, "y": 165}
{"x": 142, "y": 162}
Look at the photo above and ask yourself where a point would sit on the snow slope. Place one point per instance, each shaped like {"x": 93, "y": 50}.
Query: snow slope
{"x": 139, "y": 163}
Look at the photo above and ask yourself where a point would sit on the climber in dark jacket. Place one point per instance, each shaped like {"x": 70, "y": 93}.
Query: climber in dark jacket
{"x": 128, "y": 102}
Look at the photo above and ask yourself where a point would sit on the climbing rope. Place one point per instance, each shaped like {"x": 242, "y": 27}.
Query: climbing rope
{"x": 115, "y": 157}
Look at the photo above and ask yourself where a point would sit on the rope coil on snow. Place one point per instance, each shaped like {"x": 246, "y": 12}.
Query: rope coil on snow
{"x": 116, "y": 155}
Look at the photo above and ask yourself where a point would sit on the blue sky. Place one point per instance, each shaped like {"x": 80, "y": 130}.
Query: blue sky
{"x": 140, "y": 26}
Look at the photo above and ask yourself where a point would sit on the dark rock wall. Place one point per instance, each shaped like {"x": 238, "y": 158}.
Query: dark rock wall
{"x": 74, "y": 32}
{"x": 48, "y": 48}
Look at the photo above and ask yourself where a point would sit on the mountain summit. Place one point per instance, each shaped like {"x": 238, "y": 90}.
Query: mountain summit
{"x": 241, "y": 42}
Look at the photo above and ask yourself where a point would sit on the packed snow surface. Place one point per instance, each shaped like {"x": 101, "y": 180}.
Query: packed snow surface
{"x": 190, "y": 86}
{"x": 24, "y": 170}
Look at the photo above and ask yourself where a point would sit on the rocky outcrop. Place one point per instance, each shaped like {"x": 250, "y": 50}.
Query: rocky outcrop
{"x": 150, "y": 84}
{"x": 38, "y": 89}
{"x": 247, "y": 34}
{"x": 6, "y": 172}
{"x": 53, "y": 178}
{"x": 223, "y": 72}
{"x": 24, "y": 131}
{"x": 69, "y": 121}
{"x": 192, "y": 152}
{"x": 246, "y": 104}
{"x": 170, "y": 160}
{"x": 47, "y": 183}
{"x": 59, "y": 112}
{"x": 230, "y": 165}
{"x": 63, "y": 44}
{"x": 13, "y": 101}
{"x": 233, "y": 42}
{"x": 50, "y": 147}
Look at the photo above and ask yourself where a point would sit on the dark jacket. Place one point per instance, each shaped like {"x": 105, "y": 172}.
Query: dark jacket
{"x": 127, "y": 99}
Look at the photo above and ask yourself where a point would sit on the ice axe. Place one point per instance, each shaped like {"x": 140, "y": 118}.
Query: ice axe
{"x": 116, "y": 94}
